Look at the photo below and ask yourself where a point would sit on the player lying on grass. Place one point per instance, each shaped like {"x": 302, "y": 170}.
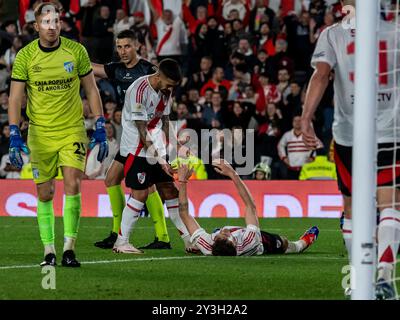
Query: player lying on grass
{"x": 236, "y": 241}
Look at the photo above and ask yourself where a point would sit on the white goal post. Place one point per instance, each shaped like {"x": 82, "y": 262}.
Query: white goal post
{"x": 364, "y": 152}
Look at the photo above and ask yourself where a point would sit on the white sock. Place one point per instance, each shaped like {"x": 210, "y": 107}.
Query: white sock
{"x": 388, "y": 242}
{"x": 69, "y": 244}
{"x": 347, "y": 233}
{"x": 130, "y": 215}
{"x": 49, "y": 248}
{"x": 296, "y": 247}
{"x": 173, "y": 210}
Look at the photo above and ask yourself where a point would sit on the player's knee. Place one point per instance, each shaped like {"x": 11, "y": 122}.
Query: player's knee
{"x": 109, "y": 181}
{"x": 46, "y": 195}
{"x": 72, "y": 186}
{"x": 167, "y": 190}
{"x": 112, "y": 179}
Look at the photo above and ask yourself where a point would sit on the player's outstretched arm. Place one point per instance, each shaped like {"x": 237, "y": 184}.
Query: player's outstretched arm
{"x": 99, "y": 71}
{"x": 316, "y": 89}
{"x": 184, "y": 174}
{"x": 224, "y": 168}
{"x": 17, "y": 144}
{"x": 99, "y": 136}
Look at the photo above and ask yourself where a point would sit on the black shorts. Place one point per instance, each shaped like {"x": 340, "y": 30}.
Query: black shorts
{"x": 385, "y": 177}
{"x": 119, "y": 158}
{"x": 140, "y": 174}
{"x": 273, "y": 243}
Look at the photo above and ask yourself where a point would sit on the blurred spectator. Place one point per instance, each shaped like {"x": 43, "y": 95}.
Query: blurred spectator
{"x": 8, "y": 171}
{"x": 103, "y": 36}
{"x": 116, "y": 122}
{"x": 266, "y": 40}
{"x": 281, "y": 59}
{"x": 298, "y": 36}
{"x": 69, "y": 29}
{"x": 241, "y": 80}
{"x": 260, "y": 14}
{"x": 4, "y": 74}
{"x": 233, "y": 5}
{"x": 264, "y": 64}
{"x": 319, "y": 169}
{"x": 245, "y": 49}
{"x": 109, "y": 105}
{"x": 4, "y": 138}
{"x": 217, "y": 82}
{"x": 199, "y": 79}
{"x": 95, "y": 169}
{"x": 239, "y": 116}
{"x": 3, "y": 105}
{"x": 292, "y": 106}
{"x": 293, "y": 151}
{"x": 122, "y": 21}
{"x": 142, "y": 31}
{"x": 213, "y": 116}
{"x": 218, "y": 50}
{"x": 261, "y": 172}
{"x": 171, "y": 35}
{"x": 86, "y": 16}
{"x": 10, "y": 54}
{"x": 283, "y": 85}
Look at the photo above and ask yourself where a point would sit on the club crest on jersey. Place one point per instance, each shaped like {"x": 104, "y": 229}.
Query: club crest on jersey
{"x": 69, "y": 66}
{"x": 141, "y": 177}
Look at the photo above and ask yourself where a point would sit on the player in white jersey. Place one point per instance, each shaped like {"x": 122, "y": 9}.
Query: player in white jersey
{"x": 145, "y": 120}
{"x": 236, "y": 241}
{"x": 335, "y": 52}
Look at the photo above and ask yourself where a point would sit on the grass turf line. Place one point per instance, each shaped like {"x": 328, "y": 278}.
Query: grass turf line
{"x": 171, "y": 274}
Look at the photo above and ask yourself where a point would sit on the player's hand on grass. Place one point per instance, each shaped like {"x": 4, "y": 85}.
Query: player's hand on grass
{"x": 99, "y": 137}
{"x": 16, "y": 146}
{"x": 184, "y": 172}
{"x": 224, "y": 168}
{"x": 308, "y": 134}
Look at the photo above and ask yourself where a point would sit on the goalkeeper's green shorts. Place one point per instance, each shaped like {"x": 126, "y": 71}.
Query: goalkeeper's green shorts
{"x": 47, "y": 154}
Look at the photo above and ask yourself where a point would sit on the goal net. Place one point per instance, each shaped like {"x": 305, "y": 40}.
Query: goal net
{"x": 376, "y": 167}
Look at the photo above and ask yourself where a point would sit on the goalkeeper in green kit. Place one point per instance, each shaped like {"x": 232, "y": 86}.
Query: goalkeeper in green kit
{"x": 51, "y": 69}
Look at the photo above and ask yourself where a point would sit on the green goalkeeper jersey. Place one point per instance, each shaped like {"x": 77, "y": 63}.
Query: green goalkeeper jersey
{"x": 52, "y": 77}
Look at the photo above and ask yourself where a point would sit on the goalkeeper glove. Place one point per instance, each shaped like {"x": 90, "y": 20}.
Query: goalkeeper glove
{"x": 99, "y": 136}
{"x": 16, "y": 146}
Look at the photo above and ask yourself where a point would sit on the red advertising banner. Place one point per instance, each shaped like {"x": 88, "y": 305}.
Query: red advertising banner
{"x": 274, "y": 199}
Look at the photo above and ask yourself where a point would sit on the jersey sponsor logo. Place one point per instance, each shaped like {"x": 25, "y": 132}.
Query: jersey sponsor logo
{"x": 69, "y": 66}
{"x": 37, "y": 68}
{"x": 51, "y": 85}
{"x": 141, "y": 177}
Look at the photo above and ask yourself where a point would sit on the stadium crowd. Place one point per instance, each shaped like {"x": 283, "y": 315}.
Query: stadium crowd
{"x": 246, "y": 65}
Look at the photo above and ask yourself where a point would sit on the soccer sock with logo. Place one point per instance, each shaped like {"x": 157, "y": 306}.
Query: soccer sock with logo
{"x": 117, "y": 200}
{"x": 156, "y": 210}
{"x": 388, "y": 242}
{"x": 130, "y": 216}
{"x": 173, "y": 210}
{"x": 45, "y": 218}
{"x": 72, "y": 214}
{"x": 347, "y": 233}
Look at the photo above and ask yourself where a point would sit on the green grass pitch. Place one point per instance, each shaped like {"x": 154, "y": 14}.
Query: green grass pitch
{"x": 171, "y": 274}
